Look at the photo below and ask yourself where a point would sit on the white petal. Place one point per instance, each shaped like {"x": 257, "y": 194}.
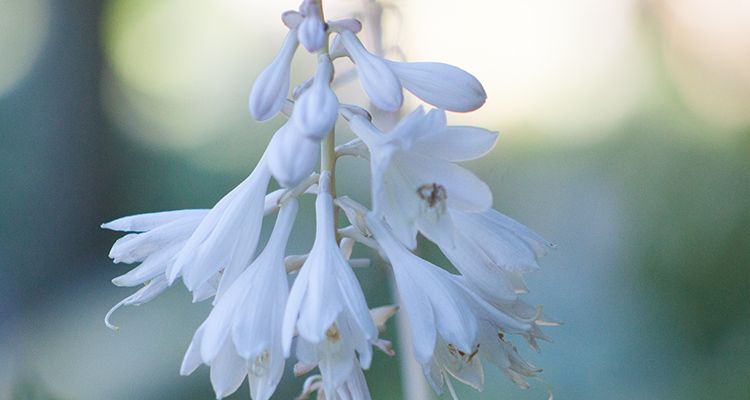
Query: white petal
{"x": 416, "y": 305}
{"x": 378, "y": 81}
{"x": 228, "y": 371}
{"x": 441, "y": 85}
{"x": 229, "y": 232}
{"x": 193, "y": 359}
{"x": 508, "y": 244}
{"x": 136, "y": 247}
{"x": 257, "y": 325}
{"x": 154, "y": 265}
{"x": 292, "y": 310}
{"x": 263, "y": 385}
{"x": 457, "y": 143}
{"x": 400, "y": 206}
{"x": 355, "y": 387}
{"x": 272, "y": 86}
{"x": 291, "y": 156}
{"x": 335, "y": 366}
{"x": 490, "y": 280}
{"x": 316, "y": 110}
{"x": 463, "y": 189}
{"x": 147, "y": 293}
{"x": 149, "y": 221}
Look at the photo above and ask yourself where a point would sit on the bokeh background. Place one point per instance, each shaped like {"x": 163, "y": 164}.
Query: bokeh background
{"x": 625, "y": 139}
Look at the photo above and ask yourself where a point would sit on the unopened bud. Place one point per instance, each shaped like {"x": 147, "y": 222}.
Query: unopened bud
{"x": 291, "y": 157}
{"x": 272, "y": 86}
{"x": 316, "y": 110}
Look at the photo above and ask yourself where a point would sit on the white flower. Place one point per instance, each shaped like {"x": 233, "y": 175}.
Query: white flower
{"x": 291, "y": 156}
{"x": 326, "y": 305}
{"x": 467, "y": 368}
{"x": 439, "y": 305}
{"x": 226, "y": 237}
{"x": 442, "y": 85}
{"x": 242, "y": 335}
{"x": 312, "y": 30}
{"x": 377, "y": 79}
{"x": 158, "y": 238}
{"x": 492, "y": 251}
{"x": 495, "y": 349}
{"x": 414, "y": 178}
{"x": 270, "y": 90}
{"x": 316, "y": 110}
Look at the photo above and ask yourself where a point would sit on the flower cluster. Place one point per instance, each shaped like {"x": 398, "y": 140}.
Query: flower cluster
{"x": 258, "y": 321}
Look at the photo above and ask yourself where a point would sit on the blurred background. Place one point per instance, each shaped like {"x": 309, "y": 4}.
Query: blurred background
{"x": 625, "y": 139}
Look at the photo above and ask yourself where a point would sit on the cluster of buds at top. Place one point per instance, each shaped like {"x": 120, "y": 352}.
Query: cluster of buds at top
{"x": 323, "y": 320}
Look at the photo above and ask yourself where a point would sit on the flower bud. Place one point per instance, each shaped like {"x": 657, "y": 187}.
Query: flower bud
{"x": 441, "y": 85}
{"x": 272, "y": 86}
{"x": 312, "y": 32}
{"x": 316, "y": 110}
{"x": 377, "y": 80}
{"x": 291, "y": 157}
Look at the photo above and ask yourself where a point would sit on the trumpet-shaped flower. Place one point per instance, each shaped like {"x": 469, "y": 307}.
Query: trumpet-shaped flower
{"x": 326, "y": 305}
{"x": 242, "y": 335}
{"x": 158, "y": 238}
{"x": 415, "y": 180}
{"x": 227, "y": 236}
{"x": 492, "y": 251}
{"x": 438, "y": 304}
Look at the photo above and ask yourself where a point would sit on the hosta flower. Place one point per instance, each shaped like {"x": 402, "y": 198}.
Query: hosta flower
{"x": 442, "y": 85}
{"x": 157, "y": 239}
{"x": 242, "y": 335}
{"x": 492, "y": 251}
{"x": 326, "y": 305}
{"x": 457, "y": 320}
{"x": 415, "y": 180}
{"x": 439, "y": 305}
{"x": 271, "y": 88}
{"x": 226, "y": 237}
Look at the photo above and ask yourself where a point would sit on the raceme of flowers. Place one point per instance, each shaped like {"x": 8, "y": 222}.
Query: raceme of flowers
{"x": 322, "y": 320}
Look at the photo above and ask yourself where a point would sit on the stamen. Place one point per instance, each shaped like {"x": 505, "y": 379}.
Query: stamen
{"x": 435, "y": 196}
{"x": 260, "y": 365}
{"x": 333, "y": 333}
